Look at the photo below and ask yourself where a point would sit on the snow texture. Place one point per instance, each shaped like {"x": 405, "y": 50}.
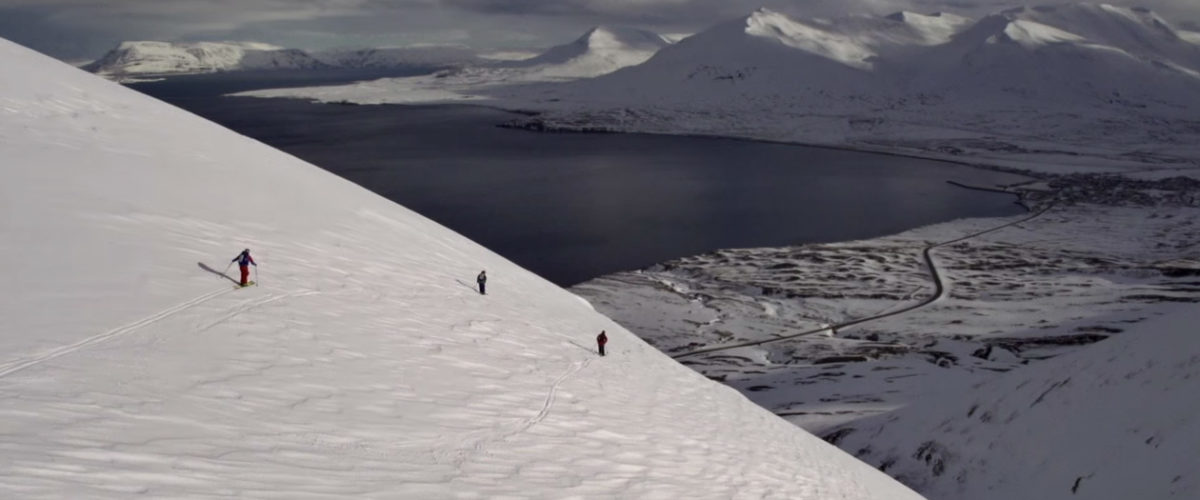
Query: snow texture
{"x": 365, "y": 364}
{"x": 1115, "y": 421}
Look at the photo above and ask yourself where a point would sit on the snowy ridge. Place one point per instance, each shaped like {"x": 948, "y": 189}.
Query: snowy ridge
{"x": 365, "y": 364}
{"x": 1044, "y": 51}
{"x": 1118, "y": 420}
{"x": 146, "y": 58}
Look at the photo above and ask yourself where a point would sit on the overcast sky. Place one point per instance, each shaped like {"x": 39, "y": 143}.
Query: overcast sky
{"x": 84, "y": 29}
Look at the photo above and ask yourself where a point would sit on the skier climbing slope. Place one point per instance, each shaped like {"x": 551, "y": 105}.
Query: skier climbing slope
{"x": 244, "y": 261}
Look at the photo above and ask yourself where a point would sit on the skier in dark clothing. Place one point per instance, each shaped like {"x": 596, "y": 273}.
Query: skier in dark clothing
{"x": 601, "y": 340}
{"x": 482, "y": 280}
{"x": 244, "y": 261}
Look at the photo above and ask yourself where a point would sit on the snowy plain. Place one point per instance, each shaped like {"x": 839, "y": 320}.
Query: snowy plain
{"x": 364, "y": 363}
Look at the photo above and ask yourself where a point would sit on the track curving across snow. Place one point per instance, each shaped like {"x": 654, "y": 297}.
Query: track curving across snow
{"x": 939, "y": 291}
{"x": 21, "y": 364}
{"x": 465, "y": 453}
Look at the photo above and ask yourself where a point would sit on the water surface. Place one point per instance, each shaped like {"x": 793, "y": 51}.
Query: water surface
{"x": 571, "y": 207}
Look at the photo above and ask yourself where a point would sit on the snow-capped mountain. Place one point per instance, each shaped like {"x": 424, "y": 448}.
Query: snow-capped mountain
{"x": 1097, "y": 77}
{"x": 768, "y": 53}
{"x": 1077, "y": 54}
{"x": 145, "y": 58}
{"x": 600, "y": 50}
{"x": 1117, "y": 420}
{"x": 364, "y": 364}
{"x": 881, "y": 60}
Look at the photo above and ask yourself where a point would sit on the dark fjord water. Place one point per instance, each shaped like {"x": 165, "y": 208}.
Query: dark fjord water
{"x": 571, "y": 207}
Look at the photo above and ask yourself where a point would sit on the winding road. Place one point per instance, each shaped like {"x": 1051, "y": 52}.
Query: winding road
{"x": 939, "y": 290}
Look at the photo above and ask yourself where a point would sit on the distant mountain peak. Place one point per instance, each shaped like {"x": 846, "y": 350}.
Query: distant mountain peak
{"x": 609, "y": 36}
{"x": 911, "y": 17}
{"x": 601, "y": 49}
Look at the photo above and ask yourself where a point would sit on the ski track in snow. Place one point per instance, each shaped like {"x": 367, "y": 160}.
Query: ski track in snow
{"x": 254, "y": 303}
{"x": 21, "y": 364}
{"x": 465, "y": 454}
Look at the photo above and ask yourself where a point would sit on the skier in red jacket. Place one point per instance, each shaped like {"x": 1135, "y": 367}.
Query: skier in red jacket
{"x": 601, "y": 340}
{"x": 244, "y": 261}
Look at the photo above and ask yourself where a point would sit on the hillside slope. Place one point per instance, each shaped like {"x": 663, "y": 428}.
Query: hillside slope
{"x": 1118, "y": 420}
{"x": 365, "y": 363}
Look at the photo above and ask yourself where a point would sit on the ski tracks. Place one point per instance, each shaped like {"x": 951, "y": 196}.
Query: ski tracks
{"x": 575, "y": 367}
{"x": 480, "y": 446}
{"x": 21, "y": 364}
{"x": 253, "y": 304}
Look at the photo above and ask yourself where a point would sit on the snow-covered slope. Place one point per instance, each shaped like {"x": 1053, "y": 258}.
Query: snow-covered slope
{"x": 364, "y": 365}
{"x": 144, "y": 58}
{"x": 846, "y": 63}
{"x": 761, "y": 55}
{"x": 1067, "y": 56}
{"x": 1118, "y": 420}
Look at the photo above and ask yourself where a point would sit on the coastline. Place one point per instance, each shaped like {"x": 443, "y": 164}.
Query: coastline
{"x": 1116, "y": 251}
{"x": 697, "y": 315}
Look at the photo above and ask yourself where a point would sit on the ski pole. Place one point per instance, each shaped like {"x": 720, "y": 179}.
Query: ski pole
{"x": 255, "y": 275}
{"x": 226, "y": 271}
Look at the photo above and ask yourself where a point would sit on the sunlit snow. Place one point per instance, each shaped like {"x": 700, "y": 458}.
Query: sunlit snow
{"x": 364, "y": 364}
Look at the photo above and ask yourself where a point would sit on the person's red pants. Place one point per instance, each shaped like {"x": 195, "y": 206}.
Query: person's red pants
{"x": 245, "y": 273}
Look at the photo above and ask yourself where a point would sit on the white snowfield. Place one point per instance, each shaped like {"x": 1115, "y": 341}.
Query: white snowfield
{"x": 365, "y": 365}
{"x": 1117, "y": 420}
